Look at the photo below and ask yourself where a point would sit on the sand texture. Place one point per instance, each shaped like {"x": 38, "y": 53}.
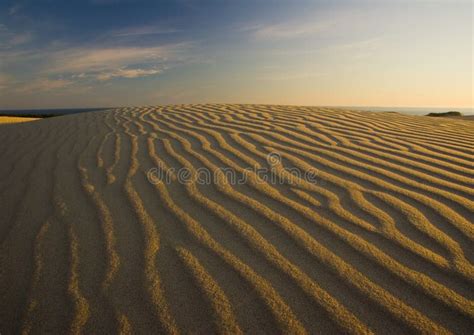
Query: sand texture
{"x": 380, "y": 242}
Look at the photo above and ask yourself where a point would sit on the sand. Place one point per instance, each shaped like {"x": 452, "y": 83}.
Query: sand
{"x": 379, "y": 240}
{"x": 14, "y": 119}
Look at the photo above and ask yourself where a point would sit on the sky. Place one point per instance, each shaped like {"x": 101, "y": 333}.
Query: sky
{"x": 105, "y": 53}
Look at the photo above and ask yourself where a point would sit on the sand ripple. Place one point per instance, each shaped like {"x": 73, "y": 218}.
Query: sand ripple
{"x": 381, "y": 241}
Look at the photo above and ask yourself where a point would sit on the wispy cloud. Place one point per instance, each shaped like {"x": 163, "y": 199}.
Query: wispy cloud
{"x": 82, "y": 66}
{"x": 290, "y": 76}
{"x": 305, "y": 25}
{"x": 21, "y": 38}
{"x": 45, "y": 84}
{"x": 10, "y": 38}
{"x": 93, "y": 60}
{"x": 143, "y": 30}
{"x": 127, "y": 73}
{"x": 357, "y": 50}
{"x": 369, "y": 43}
{"x": 14, "y": 9}
{"x": 291, "y": 30}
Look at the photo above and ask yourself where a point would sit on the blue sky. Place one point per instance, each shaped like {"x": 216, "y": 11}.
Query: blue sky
{"x": 130, "y": 52}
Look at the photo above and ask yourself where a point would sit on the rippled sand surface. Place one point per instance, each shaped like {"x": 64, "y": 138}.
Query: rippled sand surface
{"x": 381, "y": 240}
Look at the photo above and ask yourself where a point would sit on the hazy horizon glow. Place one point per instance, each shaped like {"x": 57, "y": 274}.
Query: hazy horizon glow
{"x": 59, "y": 54}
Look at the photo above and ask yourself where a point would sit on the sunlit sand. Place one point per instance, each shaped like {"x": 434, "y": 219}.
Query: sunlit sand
{"x": 13, "y": 119}
{"x": 380, "y": 241}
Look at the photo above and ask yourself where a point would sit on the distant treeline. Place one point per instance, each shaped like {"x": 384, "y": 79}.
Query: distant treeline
{"x": 451, "y": 113}
{"x": 30, "y": 115}
{"x": 43, "y": 113}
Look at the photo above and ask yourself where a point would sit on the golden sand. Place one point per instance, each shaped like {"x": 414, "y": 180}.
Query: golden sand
{"x": 14, "y": 119}
{"x": 381, "y": 241}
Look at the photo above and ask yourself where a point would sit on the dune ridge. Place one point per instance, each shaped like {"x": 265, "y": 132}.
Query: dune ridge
{"x": 381, "y": 241}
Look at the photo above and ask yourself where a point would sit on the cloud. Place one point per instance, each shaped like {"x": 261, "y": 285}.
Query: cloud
{"x": 309, "y": 23}
{"x": 21, "y": 38}
{"x": 82, "y": 66}
{"x": 369, "y": 43}
{"x": 143, "y": 30}
{"x": 10, "y": 39}
{"x": 41, "y": 85}
{"x": 357, "y": 50}
{"x": 14, "y": 9}
{"x": 59, "y": 66}
{"x": 289, "y": 30}
{"x": 290, "y": 76}
{"x": 127, "y": 73}
{"x": 93, "y": 60}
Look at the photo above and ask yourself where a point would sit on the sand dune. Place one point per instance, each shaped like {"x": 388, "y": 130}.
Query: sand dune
{"x": 380, "y": 240}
